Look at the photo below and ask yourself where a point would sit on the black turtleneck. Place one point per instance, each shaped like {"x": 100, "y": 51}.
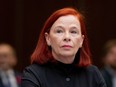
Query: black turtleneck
{"x": 61, "y": 75}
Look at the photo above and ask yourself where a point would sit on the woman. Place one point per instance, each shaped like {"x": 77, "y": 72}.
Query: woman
{"x": 62, "y": 57}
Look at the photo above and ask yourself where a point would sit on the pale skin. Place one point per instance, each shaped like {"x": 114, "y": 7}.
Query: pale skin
{"x": 65, "y": 38}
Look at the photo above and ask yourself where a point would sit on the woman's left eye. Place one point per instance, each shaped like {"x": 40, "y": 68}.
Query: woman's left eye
{"x": 74, "y": 32}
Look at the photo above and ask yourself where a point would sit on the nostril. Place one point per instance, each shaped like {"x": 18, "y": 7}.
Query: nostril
{"x": 67, "y": 39}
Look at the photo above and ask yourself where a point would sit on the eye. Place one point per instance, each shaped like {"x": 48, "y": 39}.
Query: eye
{"x": 74, "y": 32}
{"x": 59, "y": 31}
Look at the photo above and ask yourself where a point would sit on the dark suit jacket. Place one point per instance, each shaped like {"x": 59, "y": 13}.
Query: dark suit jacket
{"x": 18, "y": 79}
{"x": 107, "y": 76}
{"x": 51, "y": 75}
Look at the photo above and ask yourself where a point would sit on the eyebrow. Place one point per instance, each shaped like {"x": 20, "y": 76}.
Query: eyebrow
{"x": 74, "y": 27}
{"x": 59, "y": 26}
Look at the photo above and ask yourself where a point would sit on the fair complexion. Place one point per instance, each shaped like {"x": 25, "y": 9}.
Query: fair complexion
{"x": 65, "y": 38}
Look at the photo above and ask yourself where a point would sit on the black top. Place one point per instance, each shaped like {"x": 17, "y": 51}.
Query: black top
{"x": 61, "y": 75}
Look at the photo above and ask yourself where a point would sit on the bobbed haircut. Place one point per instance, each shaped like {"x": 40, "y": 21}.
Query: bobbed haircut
{"x": 43, "y": 54}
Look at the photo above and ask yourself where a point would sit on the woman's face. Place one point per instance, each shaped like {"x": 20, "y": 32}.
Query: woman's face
{"x": 65, "y": 38}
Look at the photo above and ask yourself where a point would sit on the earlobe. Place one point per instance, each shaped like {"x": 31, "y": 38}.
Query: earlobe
{"x": 47, "y": 39}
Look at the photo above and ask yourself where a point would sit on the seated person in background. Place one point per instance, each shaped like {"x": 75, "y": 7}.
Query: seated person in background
{"x": 8, "y": 77}
{"x": 109, "y": 59}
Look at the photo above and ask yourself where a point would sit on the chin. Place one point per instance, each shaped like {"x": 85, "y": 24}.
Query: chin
{"x": 67, "y": 53}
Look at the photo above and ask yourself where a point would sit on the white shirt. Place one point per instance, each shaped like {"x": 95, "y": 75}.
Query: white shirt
{"x": 9, "y": 76}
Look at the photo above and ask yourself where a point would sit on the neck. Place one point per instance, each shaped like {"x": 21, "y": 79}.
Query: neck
{"x": 64, "y": 59}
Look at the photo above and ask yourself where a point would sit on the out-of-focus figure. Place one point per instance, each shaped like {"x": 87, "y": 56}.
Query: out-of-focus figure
{"x": 109, "y": 59}
{"x": 8, "y": 76}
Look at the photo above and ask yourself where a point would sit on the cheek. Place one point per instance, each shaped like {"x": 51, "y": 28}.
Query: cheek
{"x": 77, "y": 41}
{"x": 55, "y": 41}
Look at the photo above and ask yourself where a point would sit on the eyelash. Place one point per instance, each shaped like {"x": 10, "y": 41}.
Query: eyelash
{"x": 73, "y": 32}
{"x": 59, "y": 31}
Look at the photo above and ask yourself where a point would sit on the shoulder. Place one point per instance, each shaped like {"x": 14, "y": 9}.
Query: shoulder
{"x": 96, "y": 75}
{"x": 33, "y": 73}
{"x": 35, "y": 69}
{"x": 106, "y": 73}
{"x": 93, "y": 70}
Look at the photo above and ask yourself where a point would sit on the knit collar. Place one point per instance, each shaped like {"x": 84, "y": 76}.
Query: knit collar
{"x": 64, "y": 69}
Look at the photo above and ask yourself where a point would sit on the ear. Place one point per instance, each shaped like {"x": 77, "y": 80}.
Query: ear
{"x": 47, "y": 37}
{"x": 81, "y": 42}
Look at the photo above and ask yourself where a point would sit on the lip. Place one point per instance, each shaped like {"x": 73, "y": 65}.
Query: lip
{"x": 67, "y": 46}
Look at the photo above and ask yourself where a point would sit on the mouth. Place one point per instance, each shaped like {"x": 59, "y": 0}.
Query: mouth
{"x": 67, "y": 46}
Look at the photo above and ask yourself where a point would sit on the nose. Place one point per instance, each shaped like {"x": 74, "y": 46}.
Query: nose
{"x": 67, "y": 37}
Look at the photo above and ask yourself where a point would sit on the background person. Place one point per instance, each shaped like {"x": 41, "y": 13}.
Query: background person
{"x": 8, "y": 76}
{"x": 109, "y": 59}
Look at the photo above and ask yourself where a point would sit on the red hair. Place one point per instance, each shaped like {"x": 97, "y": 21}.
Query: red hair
{"x": 43, "y": 54}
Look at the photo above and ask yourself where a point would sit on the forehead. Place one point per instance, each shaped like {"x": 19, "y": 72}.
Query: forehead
{"x": 68, "y": 19}
{"x": 5, "y": 48}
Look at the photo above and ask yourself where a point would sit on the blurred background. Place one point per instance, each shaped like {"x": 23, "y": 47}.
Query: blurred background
{"x": 22, "y": 20}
